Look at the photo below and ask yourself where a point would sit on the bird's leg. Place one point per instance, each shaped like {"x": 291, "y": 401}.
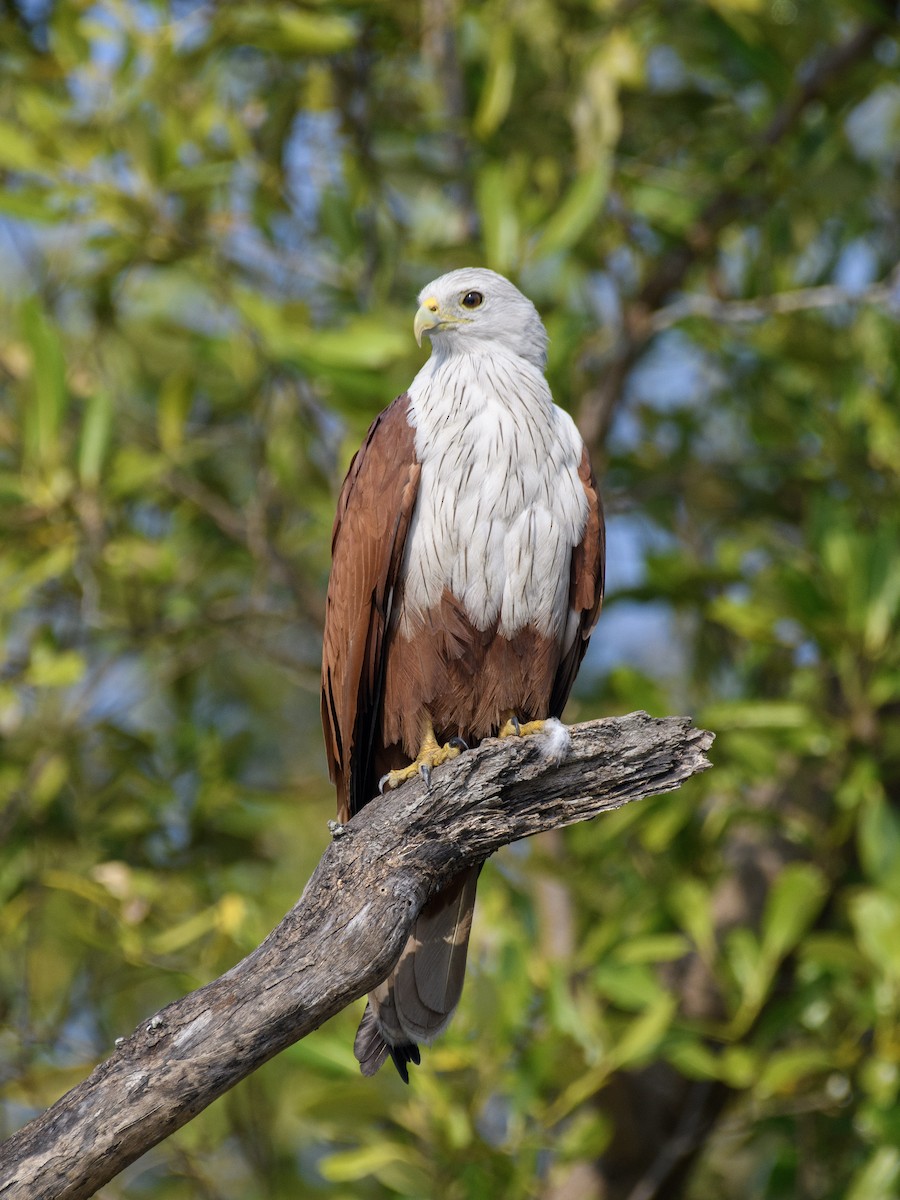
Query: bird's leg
{"x": 430, "y": 755}
{"x": 513, "y": 727}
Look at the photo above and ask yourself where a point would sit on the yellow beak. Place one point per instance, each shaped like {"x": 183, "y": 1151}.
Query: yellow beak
{"x": 428, "y": 317}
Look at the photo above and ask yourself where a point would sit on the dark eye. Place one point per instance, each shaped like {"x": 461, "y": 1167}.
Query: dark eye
{"x": 472, "y": 300}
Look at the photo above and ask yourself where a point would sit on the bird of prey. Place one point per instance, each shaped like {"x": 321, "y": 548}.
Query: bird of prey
{"x": 467, "y": 575}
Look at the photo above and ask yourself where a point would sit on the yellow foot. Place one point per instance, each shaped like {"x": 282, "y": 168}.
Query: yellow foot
{"x": 515, "y": 728}
{"x": 430, "y": 755}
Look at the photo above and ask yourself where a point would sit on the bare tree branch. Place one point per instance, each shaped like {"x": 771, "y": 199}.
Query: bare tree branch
{"x": 798, "y": 300}
{"x": 340, "y": 939}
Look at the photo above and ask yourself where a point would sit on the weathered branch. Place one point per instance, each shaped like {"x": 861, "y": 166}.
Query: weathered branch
{"x": 340, "y": 939}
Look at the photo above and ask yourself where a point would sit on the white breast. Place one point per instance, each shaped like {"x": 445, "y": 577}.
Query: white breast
{"x": 500, "y": 503}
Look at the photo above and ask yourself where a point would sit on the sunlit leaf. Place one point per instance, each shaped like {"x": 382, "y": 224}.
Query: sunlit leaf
{"x": 494, "y": 102}
{"x": 787, "y": 1072}
{"x": 500, "y": 222}
{"x": 876, "y": 918}
{"x": 879, "y": 1178}
{"x": 576, "y": 212}
{"x": 95, "y": 434}
{"x": 43, "y": 416}
{"x": 643, "y": 1035}
{"x": 376, "y": 1159}
{"x": 796, "y": 897}
{"x": 50, "y": 669}
{"x": 18, "y": 152}
{"x": 174, "y": 402}
{"x": 280, "y": 28}
{"x": 879, "y": 842}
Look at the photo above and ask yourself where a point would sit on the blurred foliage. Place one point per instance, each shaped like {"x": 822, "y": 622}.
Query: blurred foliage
{"x": 213, "y": 223}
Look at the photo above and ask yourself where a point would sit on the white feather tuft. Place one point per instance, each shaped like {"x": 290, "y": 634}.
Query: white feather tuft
{"x": 554, "y": 740}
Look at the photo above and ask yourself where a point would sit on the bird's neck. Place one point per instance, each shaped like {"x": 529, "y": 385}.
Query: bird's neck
{"x": 486, "y": 368}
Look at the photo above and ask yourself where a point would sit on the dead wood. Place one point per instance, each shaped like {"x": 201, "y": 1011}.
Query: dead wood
{"x": 340, "y": 939}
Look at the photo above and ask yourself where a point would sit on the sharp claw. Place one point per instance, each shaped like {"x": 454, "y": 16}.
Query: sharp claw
{"x": 381, "y": 782}
{"x": 458, "y": 743}
{"x": 425, "y": 772}
{"x": 517, "y": 726}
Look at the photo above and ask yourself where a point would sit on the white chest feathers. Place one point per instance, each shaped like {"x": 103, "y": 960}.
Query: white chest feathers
{"x": 500, "y": 503}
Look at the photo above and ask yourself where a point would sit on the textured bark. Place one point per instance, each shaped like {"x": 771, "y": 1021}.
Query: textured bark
{"x": 339, "y": 940}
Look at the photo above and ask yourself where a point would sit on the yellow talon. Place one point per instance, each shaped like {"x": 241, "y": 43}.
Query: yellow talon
{"x": 430, "y": 755}
{"x": 515, "y": 728}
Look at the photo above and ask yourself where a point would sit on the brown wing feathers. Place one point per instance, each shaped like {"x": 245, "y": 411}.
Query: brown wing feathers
{"x": 370, "y": 529}
{"x": 585, "y": 587}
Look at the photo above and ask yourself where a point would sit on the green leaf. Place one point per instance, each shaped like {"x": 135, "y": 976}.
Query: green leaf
{"x": 134, "y": 469}
{"x": 835, "y": 952}
{"x": 630, "y": 985}
{"x": 354, "y": 1165}
{"x": 17, "y": 150}
{"x": 793, "y": 904}
{"x": 756, "y": 714}
{"x": 368, "y": 343}
{"x": 694, "y": 1058}
{"x": 95, "y": 432}
{"x": 787, "y": 1071}
{"x": 644, "y": 1034}
{"x": 499, "y": 218}
{"x": 43, "y": 416}
{"x": 734, "y": 1065}
{"x": 47, "y": 781}
{"x": 747, "y": 964}
{"x": 35, "y": 204}
{"x": 876, "y": 919}
{"x": 186, "y": 932}
{"x": 653, "y": 948}
{"x": 586, "y": 1135}
{"x": 19, "y": 584}
{"x": 579, "y": 209}
{"x": 136, "y": 558}
{"x": 54, "y": 668}
{"x": 496, "y": 95}
{"x": 691, "y": 904}
{"x": 883, "y": 600}
{"x": 879, "y": 1178}
{"x": 878, "y": 842}
{"x": 284, "y": 30}
{"x": 739, "y": 1066}
{"x": 173, "y": 406}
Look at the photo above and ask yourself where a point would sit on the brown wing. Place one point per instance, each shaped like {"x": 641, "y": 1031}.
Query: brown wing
{"x": 585, "y": 587}
{"x": 373, "y": 515}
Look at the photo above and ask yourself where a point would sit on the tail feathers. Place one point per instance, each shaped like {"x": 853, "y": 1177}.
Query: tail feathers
{"x": 417, "y": 1000}
{"x": 372, "y": 1050}
{"x": 428, "y": 979}
{"x": 403, "y": 1055}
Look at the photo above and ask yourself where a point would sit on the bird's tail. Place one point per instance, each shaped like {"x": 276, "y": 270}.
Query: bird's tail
{"x": 417, "y": 1000}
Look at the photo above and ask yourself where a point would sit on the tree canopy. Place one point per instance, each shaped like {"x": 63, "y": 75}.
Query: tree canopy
{"x": 213, "y": 224}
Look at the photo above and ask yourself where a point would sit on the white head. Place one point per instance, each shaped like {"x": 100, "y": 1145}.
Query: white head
{"x": 472, "y": 310}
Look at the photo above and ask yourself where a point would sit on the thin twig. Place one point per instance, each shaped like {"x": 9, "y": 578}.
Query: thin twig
{"x": 886, "y": 293}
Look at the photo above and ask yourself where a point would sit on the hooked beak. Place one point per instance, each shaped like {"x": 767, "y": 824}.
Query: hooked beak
{"x": 428, "y": 317}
